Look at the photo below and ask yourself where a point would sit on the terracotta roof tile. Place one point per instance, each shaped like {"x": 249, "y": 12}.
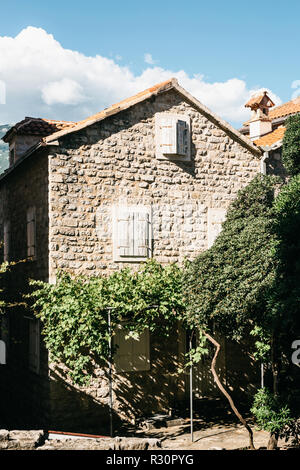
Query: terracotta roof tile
{"x": 291, "y": 107}
{"x": 37, "y": 126}
{"x": 271, "y": 138}
{"x": 127, "y": 101}
{"x": 256, "y": 100}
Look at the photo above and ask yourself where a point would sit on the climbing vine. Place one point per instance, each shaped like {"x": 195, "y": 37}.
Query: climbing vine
{"x": 74, "y": 311}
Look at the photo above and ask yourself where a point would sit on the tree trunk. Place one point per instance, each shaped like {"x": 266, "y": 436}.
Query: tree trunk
{"x": 222, "y": 389}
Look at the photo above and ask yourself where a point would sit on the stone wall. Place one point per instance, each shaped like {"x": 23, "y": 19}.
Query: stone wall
{"x": 114, "y": 161}
{"x": 39, "y": 440}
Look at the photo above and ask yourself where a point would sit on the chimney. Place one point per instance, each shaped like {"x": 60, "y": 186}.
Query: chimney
{"x": 260, "y": 123}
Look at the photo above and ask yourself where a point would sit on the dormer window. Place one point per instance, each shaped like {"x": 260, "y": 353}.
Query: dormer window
{"x": 172, "y": 135}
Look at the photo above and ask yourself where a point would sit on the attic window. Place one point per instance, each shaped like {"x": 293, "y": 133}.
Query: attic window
{"x": 172, "y": 135}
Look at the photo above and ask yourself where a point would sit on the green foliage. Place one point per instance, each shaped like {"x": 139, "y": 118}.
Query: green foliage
{"x": 262, "y": 344}
{"x": 291, "y": 145}
{"x": 284, "y": 298}
{"x": 271, "y": 415}
{"x": 74, "y": 311}
{"x": 194, "y": 355}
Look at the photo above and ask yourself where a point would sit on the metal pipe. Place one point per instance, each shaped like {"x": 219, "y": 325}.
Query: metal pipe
{"x": 263, "y": 166}
{"x": 110, "y": 374}
{"x": 263, "y": 170}
{"x": 262, "y": 375}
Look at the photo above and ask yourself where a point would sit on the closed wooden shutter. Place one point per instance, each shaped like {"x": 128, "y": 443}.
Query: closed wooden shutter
{"x": 173, "y": 136}
{"x": 31, "y": 232}
{"x": 132, "y": 355}
{"x": 168, "y": 135}
{"x": 141, "y": 234}
{"x": 133, "y": 234}
{"x": 125, "y": 233}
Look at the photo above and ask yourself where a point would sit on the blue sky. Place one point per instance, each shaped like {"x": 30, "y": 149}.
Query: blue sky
{"x": 256, "y": 43}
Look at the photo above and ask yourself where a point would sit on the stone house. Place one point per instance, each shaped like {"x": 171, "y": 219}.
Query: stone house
{"x": 151, "y": 176}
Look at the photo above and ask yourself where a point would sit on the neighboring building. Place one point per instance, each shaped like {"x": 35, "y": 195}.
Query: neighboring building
{"x": 151, "y": 176}
{"x": 266, "y": 128}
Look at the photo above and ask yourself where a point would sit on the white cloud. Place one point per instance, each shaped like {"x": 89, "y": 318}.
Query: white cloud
{"x": 43, "y": 79}
{"x": 149, "y": 59}
{"x": 65, "y": 91}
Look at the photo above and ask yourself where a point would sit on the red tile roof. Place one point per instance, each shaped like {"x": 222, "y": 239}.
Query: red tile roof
{"x": 255, "y": 101}
{"x": 144, "y": 95}
{"x": 37, "y": 126}
{"x": 291, "y": 107}
{"x": 52, "y": 130}
{"x": 132, "y": 99}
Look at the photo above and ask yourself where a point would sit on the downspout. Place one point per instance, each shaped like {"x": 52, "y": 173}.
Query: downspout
{"x": 263, "y": 171}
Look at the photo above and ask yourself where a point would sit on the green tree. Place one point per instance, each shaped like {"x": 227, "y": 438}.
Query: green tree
{"x": 228, "y": 285}
{"x": 249, "y": 280}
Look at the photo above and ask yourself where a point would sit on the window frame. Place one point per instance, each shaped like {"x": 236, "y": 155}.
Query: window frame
{"x": 171, "y": 120}
{"x": 134, "y": 209}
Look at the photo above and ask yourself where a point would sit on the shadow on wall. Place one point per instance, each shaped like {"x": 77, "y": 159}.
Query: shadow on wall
{"x": 135, "y": 395}
{"x": 74, "y": 410}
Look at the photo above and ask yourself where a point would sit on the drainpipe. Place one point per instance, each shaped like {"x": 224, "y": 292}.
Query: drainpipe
{"x": 110, "y": 372}
{"x": 263, "y": 170}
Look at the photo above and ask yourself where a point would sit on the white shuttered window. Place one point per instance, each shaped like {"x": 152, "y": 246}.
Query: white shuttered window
{"x": 132, "y": 233}
{"x": 31, "y": 232}
{"x": 172, "y": 136}
{"x": 132, "y": 354}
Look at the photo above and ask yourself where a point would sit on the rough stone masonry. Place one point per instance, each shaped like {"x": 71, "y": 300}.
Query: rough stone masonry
{"x": 74, "y": 184}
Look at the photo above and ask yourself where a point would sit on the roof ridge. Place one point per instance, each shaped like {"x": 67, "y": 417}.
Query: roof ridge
{"x": 143, "y": 95}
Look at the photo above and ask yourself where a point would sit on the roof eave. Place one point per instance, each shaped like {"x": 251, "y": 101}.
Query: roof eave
{"x": 172, "y": 84}
{"x": 111, "y": 112}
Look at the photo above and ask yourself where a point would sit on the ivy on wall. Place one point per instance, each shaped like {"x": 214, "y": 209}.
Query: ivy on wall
{"x": 74, "y": 311}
